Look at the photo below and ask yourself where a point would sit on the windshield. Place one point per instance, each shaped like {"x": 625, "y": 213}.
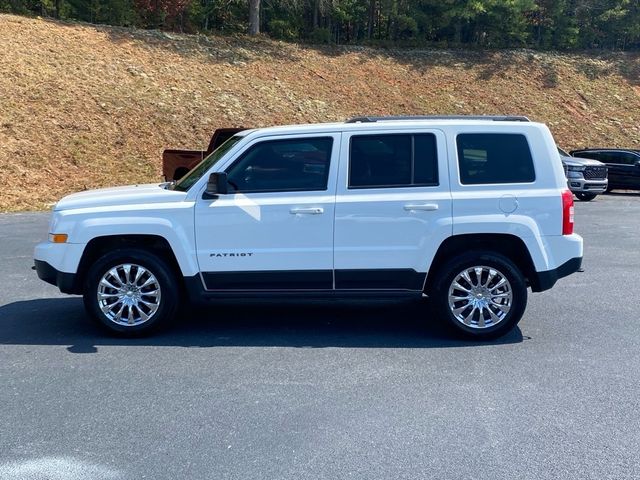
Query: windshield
{"x": 186, "y": 182}
{"x": 563, "y": 153}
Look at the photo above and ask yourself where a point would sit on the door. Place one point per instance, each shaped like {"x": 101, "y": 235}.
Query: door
{"x": 635, "y": 172}
{"x": 624, "y": 169}
{"x": 616, "y": 169}
{"x": 274, "y": 229}
{"x": 393, "y": 208}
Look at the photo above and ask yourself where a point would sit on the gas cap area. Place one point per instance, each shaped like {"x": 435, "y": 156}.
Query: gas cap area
{"x": 508, "y": 203}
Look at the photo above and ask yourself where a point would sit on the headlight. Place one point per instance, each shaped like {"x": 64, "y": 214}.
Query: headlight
{"x": 574, "y": 171}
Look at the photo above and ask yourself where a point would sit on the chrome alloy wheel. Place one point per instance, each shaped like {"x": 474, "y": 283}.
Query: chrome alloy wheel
{"x": 480, "y": 297}
{"x": 128, "y": 294}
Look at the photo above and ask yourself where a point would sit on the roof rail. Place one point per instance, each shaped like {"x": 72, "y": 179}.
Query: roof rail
{"x": 496, "y": 118}
{"x": 611, "y": 149}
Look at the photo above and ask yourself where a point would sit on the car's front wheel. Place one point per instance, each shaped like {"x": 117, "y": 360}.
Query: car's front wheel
{"x": 481, "y": 294}
{"x": 131, "y": 292}
{"x": 585, "y": 197}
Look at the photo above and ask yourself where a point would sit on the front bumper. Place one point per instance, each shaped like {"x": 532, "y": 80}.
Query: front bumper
{"x": 66, "y": 282}
{"x": 57, "y": 264}
{"x": 580, "y": 185}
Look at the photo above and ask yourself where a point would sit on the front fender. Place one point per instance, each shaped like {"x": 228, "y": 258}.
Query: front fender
{"x": 172, "y": 222}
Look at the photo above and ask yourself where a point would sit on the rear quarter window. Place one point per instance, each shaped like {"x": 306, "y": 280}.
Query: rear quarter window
{"x": 486, "y": 158}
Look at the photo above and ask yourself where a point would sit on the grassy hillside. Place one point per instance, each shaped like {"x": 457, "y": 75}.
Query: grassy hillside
{"x": 84, "y": 106}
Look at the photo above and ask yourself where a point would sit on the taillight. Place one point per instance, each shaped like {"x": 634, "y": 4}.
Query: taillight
{"x": 567, "y": 212}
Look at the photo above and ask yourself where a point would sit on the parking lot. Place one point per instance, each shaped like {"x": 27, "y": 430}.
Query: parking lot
{"x": 328, "y": 389}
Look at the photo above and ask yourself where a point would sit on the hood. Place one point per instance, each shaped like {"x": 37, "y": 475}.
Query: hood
{"x": 130, "y": 195}
{"x": 581, "y": 162}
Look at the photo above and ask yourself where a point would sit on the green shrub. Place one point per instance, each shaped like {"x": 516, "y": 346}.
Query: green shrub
{"x": 282, "y": 30}
{"x": 405, "y": 27}
{"x": 320, "y": 35}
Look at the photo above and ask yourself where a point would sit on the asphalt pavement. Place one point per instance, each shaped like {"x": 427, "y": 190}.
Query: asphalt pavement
{"x": 328, "y": 389}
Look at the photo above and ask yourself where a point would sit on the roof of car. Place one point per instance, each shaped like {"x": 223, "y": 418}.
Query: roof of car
{"x": 383, "y": 123}
{"x": 580, "y": 150}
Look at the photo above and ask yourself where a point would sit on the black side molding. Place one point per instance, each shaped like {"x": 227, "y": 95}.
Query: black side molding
{"x": 272, "y": 280}
{"x": 545, "y": 280}
{"x": 388, "y": 278}
{"x": 369, "y": 279}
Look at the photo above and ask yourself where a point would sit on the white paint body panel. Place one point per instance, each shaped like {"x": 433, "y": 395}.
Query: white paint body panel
{"x": 171, "y": 220}
{"x": 375, "y": 227}
{"x": 538, "y": 205}
{"x": 263, "y": 225}
{"x": 128, "y": 195}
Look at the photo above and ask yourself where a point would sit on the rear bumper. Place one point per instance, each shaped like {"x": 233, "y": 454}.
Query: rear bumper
{"x": 545, "y": 280}
{"x": 66, "y": 282}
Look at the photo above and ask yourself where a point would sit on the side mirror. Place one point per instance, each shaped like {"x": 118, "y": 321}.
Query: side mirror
{"x": 217, "y": 185}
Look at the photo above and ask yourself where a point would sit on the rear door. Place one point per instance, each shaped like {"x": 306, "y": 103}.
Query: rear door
{"x": 635, "y": 171}
{"x": 393, "y": 208}
{"x": 616, "y": 169}
{"x": 619, "y": 166}
{"x": 627, "y": 171}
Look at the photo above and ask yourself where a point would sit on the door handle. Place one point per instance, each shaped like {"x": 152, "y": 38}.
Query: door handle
{"x": 307, "y": 211}
{"x": 429, "y": 207}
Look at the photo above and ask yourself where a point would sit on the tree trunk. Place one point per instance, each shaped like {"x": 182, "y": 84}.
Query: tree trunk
{"x": 316, "y": 11}
{"x": 457, "y": 36}
{"x": 254, "y": 17}
{"x": 372, "y": 16}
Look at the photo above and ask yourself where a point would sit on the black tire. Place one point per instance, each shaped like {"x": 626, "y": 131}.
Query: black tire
{"x": 585, "y": 197}
{"x": 494, "y": 261}
{"x": 167, "y": 301}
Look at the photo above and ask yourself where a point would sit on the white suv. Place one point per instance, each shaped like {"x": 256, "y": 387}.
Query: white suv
{"x": 470, "y": 211}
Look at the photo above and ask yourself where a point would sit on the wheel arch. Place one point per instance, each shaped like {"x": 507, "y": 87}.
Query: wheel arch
{"x": 98, "y": 246}
{"x": 510, "y": 246}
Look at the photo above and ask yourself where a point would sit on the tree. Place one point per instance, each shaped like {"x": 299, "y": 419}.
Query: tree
{"x": 160, "y": 13}
{"x": 254, "y": 17}
{"x": 564, "y": 24}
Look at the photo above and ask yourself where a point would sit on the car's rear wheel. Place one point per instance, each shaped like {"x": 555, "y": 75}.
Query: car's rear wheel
{"x": 585, "y": 197}
{"x": 481, "y": 294}
{"x": 130, "y": 292}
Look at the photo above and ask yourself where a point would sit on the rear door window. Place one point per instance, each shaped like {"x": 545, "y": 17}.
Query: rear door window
{"x": 592, "y": 155}
{"x": 393, "y": 160}
{"x": 486, "y": 158}
{"x": 625, "y": 158}
{"x": 610, "y": 157}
